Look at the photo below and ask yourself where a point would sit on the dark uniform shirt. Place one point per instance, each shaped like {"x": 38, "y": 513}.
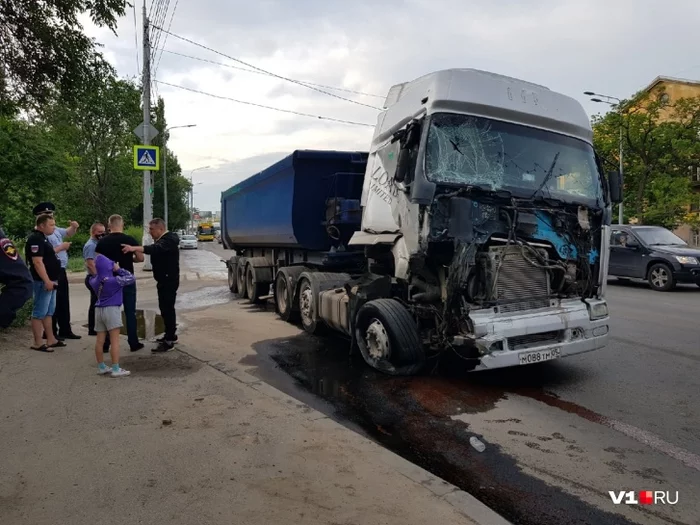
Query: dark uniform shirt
{"x": 111, "y": 247}
{"x": 165, "y": 257}
{"x": 15, "y": 281}
{"x": 38, "y": 245}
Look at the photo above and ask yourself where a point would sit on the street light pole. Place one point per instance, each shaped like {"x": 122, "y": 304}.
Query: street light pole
{"x": 165, "y": 169}
{"x": 192, "y": 185}
{"x": 620, "y": 219}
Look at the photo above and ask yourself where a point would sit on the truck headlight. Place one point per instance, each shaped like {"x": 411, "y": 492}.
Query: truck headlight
{"x": 597, "y": 309}
{"x": 683, "y": 259}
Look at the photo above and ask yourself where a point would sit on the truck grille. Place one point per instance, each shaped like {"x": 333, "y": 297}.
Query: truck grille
{"x": 525, "y": 341}
{"x": 520, "y": 285}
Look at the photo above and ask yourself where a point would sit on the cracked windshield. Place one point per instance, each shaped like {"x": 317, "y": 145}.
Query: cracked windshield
{"x": 466, "y": 150}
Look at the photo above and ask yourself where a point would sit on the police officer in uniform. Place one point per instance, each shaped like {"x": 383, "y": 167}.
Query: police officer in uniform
{"x": 61, "y": 319}
{"x": 16, "y": 281}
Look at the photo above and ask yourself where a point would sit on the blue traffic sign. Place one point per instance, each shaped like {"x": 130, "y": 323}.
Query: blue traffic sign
{"x": 146, "y": 157}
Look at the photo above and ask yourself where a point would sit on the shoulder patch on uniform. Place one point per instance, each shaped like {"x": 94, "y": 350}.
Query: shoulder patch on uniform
{"x": 8, "y": 248}
{"x": 34, "y": 248}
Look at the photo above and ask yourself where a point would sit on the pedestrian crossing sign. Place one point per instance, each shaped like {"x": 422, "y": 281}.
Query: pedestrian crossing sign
{"x": 146, "y": 157}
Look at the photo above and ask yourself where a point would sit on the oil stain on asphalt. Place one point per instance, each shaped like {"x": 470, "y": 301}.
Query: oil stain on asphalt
{"x": 413, "y": 417}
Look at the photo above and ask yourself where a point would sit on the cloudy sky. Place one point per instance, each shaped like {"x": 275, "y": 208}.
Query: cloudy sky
{"x": 613, "y": 47}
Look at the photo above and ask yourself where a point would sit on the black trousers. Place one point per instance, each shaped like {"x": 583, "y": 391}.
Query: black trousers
{"x": 61, "y": 318}
{"x": 167, "y": 294}
{"x": 91, "y": 309}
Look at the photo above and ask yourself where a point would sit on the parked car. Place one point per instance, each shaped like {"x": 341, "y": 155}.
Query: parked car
{"x": 654, "y": 254}
{"x": 188, "y": 242}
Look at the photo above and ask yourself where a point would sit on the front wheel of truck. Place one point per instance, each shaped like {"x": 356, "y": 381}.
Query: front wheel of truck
{"x": 388, "y": 338}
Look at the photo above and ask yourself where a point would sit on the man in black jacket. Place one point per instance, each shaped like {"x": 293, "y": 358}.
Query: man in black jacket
{"x": 165, "y": 259}
{"x": 16, "y": 280}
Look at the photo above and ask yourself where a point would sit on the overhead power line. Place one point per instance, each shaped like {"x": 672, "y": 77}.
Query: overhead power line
{"x": 239, "y": 68}
{"x": 157, "y": 21}
{"x": 165, "y": 42}
{"x": 281, "y": 77}
{"x": 282, "y": 110}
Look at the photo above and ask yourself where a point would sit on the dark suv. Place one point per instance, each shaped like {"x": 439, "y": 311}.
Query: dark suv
{"x": 655, "y": 254}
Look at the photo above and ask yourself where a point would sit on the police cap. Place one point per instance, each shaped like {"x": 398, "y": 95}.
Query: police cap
{"x": 44, "y": 207}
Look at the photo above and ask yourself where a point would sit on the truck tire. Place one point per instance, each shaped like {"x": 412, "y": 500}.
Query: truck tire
{"x": 232, "y": 280}
{"x": 388, "y": 338}
{"x": 308, "y": 305}
{"x": 254, "y": 289}
{"x": 660, "y": 278}
{"x": 284, "y": 297}
{"x": 241, "y": 280}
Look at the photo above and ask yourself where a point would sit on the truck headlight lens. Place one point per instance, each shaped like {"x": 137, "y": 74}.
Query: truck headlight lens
{"x": 683, "y": 259}
{"x": 597, "y": 310}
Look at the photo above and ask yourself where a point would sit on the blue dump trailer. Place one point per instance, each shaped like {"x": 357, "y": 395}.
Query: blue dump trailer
{"x": 299, "y": 212}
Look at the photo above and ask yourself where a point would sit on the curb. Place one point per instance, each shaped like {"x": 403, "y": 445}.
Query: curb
{"x": 462, "y": 501}
{"x": 79, "y": 277}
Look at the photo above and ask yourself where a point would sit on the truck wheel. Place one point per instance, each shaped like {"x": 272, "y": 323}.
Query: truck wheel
{"x": 241, "y": 280}
{"x": 308, "y": 307}
{"x": 388, "y": 339}
{"x": 232, "y": 280}
{"x": 284, "y": 298}
{"x": 661, "y": 278}
{"x": 254, "y": 290}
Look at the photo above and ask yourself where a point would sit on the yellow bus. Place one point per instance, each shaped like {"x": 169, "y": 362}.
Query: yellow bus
{"x": 205, "y": 232}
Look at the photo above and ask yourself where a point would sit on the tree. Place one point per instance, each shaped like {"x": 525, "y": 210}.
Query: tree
{"x": 43, "y": 50}
{"x": 657, "y": 154}
{"x": 178, "y": 186}
{"x": 33, "y": 164}
{"x": 98, "y": 131}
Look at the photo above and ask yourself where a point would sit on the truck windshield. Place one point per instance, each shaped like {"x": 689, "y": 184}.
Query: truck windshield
{"x": 528, "y": 162}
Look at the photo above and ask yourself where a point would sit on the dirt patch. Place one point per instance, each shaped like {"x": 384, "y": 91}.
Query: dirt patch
{"x": 171, "y": 364}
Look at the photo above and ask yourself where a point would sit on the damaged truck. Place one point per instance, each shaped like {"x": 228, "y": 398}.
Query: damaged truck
{"x": 478, "y": 223}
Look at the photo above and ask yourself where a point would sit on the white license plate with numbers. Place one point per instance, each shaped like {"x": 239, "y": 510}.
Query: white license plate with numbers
{"x": 538, "y": 356}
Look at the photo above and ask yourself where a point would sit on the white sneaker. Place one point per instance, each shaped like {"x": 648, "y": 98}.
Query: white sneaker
{"x": 120, "y": 373}
{"x": 103, "y": 371}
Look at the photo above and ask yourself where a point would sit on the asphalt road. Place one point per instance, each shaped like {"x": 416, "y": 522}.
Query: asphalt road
{"x": 557, "y": 436}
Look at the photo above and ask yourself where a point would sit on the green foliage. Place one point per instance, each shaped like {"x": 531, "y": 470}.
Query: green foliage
{"x": 98, "y": 128}
{"x": 657, "y": 154}
{"x": 76, "y": 264}
{"x": 135, "y": 231}
{"x": 33, "y": 166}
{"x": 44, "y": 50}
{"x": 178, "y": 186}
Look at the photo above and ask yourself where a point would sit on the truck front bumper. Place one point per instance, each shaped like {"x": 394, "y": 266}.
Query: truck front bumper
{"x": 565, "y": 329}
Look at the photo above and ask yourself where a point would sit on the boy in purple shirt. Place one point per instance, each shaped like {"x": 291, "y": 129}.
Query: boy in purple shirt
{"x": 107, "y": 284}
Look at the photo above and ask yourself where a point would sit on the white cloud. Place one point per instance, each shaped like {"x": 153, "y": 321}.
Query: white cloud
{"x": 570, "y": 46}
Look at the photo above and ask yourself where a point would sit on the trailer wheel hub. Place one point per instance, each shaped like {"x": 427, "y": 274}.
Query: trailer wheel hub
{"x": 306, "y": 305}
{"x": 377, "y": 340}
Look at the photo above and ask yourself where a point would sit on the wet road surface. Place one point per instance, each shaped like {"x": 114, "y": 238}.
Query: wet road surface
{"x": 541, "y": 444}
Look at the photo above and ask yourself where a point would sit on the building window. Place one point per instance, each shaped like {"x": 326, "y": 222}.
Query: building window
{"x": 664, "y": 99}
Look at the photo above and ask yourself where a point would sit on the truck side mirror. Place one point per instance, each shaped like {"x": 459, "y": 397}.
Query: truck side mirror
{"x": 615, "y": 186}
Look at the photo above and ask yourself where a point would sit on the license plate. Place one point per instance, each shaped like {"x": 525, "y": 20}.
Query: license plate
{"x": 538, "y": 356}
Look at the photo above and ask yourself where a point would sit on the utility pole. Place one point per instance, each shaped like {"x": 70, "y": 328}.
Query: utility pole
{"x": 146, "y": 80}
{"x": 165, "y": 178}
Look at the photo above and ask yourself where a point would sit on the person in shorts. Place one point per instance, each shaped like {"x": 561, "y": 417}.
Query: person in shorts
{"x": 45, "y": 269}
{"x": 107, "y": 283}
